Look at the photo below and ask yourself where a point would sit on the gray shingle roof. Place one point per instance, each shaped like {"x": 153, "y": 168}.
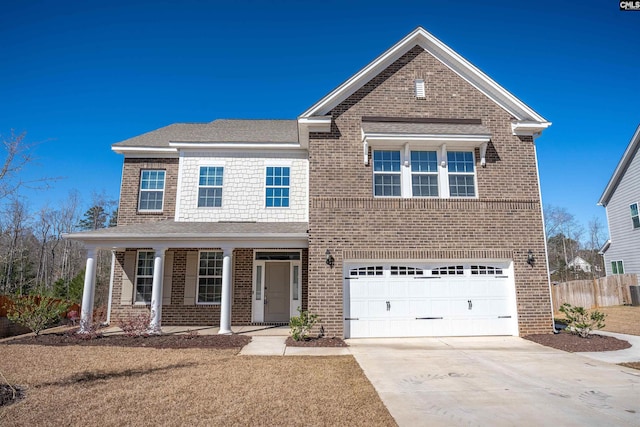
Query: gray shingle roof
{"x": 222, "y": 130}
{"x": 425, "y": 128}
{"x": 170, "y": 229}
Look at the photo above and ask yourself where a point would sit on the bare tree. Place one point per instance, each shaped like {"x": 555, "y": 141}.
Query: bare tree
{"x": 18, "y": 153}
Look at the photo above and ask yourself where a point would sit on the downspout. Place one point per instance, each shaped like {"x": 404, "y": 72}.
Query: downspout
{"x": 113, "y": 268}
{"x": 544, "y": 233}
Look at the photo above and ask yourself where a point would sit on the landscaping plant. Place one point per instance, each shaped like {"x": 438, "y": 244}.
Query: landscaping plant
{"x": 581, "y": 321}
{"x": 301, "y": 325}
{"x": 136, "y": 326}
{"x": 36, "y": 312}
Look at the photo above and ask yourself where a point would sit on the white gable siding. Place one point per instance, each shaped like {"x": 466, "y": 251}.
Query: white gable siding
{"x": 243, "y": 191}
{"x": 625, "y": 241}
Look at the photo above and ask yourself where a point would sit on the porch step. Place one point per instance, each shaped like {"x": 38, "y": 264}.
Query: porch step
{"x": 261, "y": 345}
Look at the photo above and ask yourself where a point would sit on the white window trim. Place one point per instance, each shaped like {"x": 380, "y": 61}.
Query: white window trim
{"x": 406, "y": 189}
{"x": 617, "y": 268}
{"x": 140, "y": 190}
{"x": 221, "y": 187}
{"x": 198, "y": 276}
{"x": 135, "y": 284}
{"x": 638, "y": 209}
{"x": 277, "y": 165}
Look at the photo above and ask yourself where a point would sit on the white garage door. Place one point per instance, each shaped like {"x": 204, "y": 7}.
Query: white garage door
{"x": 445, "y": 299}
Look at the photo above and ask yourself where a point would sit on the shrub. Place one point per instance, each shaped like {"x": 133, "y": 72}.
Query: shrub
{"x": 36, "y": 312}
{"x": 580, "y": 321}
{"x": 136, "y": 326}
{"x": 301, "y": 325}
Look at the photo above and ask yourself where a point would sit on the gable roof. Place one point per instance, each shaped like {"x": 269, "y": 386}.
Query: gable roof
{"x": 217, "y": 131}
{"x": 622, "y": 167}
{"x": 530, "y": 121}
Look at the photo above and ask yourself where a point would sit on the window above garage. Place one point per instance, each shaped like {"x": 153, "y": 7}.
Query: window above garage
{"x": 424, "y": 157}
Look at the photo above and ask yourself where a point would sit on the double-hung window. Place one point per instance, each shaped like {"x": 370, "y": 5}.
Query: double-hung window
{"x": 424, "y": 174}
{"x": 386, "y": 173}
{"x": 635, "y": 219}
{"x": 461, "y": 174}
{"x": 420, "y": 173}
{"x": 144, "y": 276}
{"x": 277, "y": 186}
{"x": 151, "y": 190}
{"x": 210, "y": 187}
{"x": 210, "y": 278}
{"x": 617, "y": 267}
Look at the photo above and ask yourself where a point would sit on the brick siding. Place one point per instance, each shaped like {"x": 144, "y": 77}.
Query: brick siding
{"x": 345, "y": 218}
{"x": 177, "y": 313}
{"x": 130, "y": 189}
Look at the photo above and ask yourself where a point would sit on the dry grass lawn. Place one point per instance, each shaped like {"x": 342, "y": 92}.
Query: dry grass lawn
{"x": 622, "y": 319}
{"x": 114, "y": 386}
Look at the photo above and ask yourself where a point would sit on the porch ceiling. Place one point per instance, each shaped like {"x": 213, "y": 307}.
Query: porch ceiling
{"x": 170, "y": 233}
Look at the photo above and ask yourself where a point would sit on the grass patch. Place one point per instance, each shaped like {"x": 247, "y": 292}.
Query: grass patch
{"x": 77, "y": 385}
{"x": 634, "y": 365}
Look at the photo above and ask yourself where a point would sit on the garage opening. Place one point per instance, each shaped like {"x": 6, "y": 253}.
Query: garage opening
{"x": 473, "y": 298}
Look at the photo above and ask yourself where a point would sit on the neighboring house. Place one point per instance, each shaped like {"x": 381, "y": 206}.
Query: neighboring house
{"x": 406, "y": 202}
{"x": 621, "y": 199}
{"x": 579, "y": 263}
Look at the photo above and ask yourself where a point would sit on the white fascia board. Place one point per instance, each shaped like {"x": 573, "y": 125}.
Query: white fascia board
{"x": 266, "y": 240}
{"x": 627, "y": 157}
{"x": 528, "y": 128}
{"x": 234, "y": 145}
{"x": 312, "y": 124}
{"x": 605, "y": 247}
{"x": 444, "y": 54}
{"x": 375, "y": 139}
{"x": 144, "y": 151}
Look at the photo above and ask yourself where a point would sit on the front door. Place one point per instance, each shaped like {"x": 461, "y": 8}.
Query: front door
{"x": 276, "y": 292}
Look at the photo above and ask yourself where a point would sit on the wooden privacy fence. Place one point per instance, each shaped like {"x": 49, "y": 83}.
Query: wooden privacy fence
{"x": 602, "y": 292}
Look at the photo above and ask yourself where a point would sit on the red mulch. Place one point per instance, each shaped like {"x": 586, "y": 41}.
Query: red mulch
{"x": 574, "y": 343}
{"x": 317, "y": 342}
{"x": 151, "y": 341}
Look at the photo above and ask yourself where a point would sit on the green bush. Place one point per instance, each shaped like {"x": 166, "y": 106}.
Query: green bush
{"x": 36, "y": 312}
{"x": 580, "y": 321}
{"x": 301, "y": 325}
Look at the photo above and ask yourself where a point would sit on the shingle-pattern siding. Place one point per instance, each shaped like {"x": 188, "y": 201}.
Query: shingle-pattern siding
{"x": 130, "y": 189}
{"x": 505, "y": 221}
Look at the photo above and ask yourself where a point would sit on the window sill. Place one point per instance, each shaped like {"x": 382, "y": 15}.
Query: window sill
{"x": 150, "y": 212}
{"x": 208, "y": 303}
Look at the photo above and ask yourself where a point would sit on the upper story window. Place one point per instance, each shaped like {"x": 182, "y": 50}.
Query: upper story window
{"x": 210, "y": 187}
{"x": 386, "y": 173}
{"x": 144, "y": 276}
{"x": 634, "y": 216}
{"x": 277, "y": 186}
{"x": 151, "y": 190}
{"x": 418, "y": 173}
{"x": 424, "y": 174}
{"x": 461, "y": 174}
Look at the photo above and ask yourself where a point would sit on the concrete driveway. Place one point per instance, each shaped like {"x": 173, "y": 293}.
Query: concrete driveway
{"x": 496, "y": 381}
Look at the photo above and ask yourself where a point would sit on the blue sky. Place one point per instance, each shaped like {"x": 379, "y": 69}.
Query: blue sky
{"x": 79, "y": 76}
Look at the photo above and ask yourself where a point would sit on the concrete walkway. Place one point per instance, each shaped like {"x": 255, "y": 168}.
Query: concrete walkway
{"x": 496, "y": 381}
{"x": 631, "y": 354}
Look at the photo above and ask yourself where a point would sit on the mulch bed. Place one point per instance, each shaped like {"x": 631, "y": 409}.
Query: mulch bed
{"x": 573, "y": 343}
{"x": 317, "y": 342}
{"x": 10, "y": 394}
{"x": 151, "y": 341}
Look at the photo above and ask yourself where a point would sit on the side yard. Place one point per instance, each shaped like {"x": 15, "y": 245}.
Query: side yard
{"x": 141, "y": 386}
{"x": 621, "y": 319}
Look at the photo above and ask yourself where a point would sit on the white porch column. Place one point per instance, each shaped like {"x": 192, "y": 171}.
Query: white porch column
{"x": 156, "y": 291}
{"x": 225, "y": 300}
{"x": 88, "y": 292}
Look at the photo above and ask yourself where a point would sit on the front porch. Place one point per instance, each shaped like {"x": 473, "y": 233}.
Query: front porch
{"x": 214, "y": 274}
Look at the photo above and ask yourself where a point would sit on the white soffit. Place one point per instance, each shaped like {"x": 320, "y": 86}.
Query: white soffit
{"x": 519, "y": 110}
